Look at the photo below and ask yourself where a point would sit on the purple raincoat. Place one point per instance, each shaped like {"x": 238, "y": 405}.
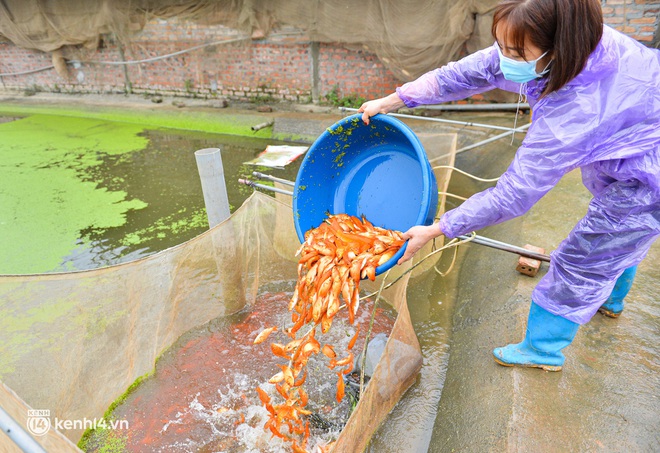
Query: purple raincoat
{"x": 605, "y": 121}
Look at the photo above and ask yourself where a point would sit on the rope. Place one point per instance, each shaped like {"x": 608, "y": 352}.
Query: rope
{"x": 451, "y": 266}
{"x": 449, "y": 194}
{"x": 368, "y": 334}
{"x": 453, "y": 243}
{"x": 169, "y": 55}
{"x": 466, "y": 173}
{"x": 31, "y": 71}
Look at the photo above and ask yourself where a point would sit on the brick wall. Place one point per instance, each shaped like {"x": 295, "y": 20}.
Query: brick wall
{"x": 636, "y": 18}
{"x": 276, "y": 68}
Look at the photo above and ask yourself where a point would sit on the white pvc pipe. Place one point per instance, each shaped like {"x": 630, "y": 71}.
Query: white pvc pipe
{"x": 260, "y": 126}
{"x": 212, "y": 175}
{"x": 18, "y": 435}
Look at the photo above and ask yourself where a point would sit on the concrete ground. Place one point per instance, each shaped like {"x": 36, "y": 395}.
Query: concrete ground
{"x": 607, "y": 396}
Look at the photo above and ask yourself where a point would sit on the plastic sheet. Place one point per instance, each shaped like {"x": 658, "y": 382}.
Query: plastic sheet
{"x": 278, "y": 156}
{"x": 409, "y": 38}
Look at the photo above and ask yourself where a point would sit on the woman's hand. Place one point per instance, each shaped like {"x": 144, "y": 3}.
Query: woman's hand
{"x": 383, "y": 105}
{"x": 417, "y": 237}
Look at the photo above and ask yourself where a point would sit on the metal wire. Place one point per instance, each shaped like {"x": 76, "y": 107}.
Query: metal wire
{"x": 439, "y": 120}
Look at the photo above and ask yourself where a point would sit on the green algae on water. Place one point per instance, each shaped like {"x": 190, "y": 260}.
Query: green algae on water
{"x": 46, "y": 200}
{"x": 203, "y": 121}
{"x": 167, "y": 225}
{"x": 103, "y": 439}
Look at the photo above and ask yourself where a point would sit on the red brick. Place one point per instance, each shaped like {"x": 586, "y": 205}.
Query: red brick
{"x": 643, "y": 20}
{"x": 613, "y": 20}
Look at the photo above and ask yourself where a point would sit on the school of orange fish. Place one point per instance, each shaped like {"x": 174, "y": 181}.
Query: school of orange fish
{"x": 334, "y": 258}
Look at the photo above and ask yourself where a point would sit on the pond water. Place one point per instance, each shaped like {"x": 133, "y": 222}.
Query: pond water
{"x": 202, "y": 396}
{"x": 79, "y": 193}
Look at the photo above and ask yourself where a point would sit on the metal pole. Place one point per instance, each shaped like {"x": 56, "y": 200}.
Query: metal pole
{"x": 247, "y": 182}
{"x": 18, "y": 435}
{"x": 211, "y": 173}
{"x": 478, "y": 107}
{"x": 260, "y": 175}
{"x": 507, "y": 247}
{"x": 439, "y": 120}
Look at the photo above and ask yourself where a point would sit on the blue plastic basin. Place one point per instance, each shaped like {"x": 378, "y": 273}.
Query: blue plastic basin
{"x": 380, "y": 171}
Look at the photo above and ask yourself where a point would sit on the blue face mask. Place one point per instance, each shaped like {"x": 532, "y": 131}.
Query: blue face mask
{"x": 519, "y": 71}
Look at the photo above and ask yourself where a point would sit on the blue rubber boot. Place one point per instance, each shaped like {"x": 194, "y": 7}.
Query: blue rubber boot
{"x": 546, "y": 336}
{"x": 614, "y": 304}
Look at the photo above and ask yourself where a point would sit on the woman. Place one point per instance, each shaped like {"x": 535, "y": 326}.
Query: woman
{"x": 595, "y": 95}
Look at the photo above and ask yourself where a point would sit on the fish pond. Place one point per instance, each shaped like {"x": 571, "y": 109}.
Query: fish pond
{"x": 81, "y": 193}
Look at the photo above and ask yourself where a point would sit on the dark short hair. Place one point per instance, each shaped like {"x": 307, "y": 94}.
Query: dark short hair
{"x": 570, "y": 29}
